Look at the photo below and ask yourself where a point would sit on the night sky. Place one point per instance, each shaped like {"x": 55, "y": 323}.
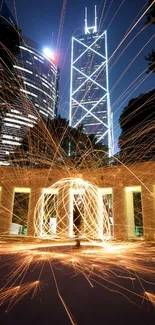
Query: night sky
{"x": 39, "y": 20}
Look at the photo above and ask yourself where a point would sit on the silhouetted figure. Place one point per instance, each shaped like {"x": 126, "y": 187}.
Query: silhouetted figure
{"x": 76, "y": 220}
{"x": 78, "y": 243}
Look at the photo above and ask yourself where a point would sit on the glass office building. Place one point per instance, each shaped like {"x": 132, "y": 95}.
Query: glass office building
{"x": 89, "y": 88}
{"x": 38, "y": 76}
{"x": 29, "y": 91}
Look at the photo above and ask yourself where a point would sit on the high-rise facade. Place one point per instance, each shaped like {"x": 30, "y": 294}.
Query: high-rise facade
{"x": 38, "y": 76}
{"x": 89, "y": 86}
{"x": 30, "y": 90}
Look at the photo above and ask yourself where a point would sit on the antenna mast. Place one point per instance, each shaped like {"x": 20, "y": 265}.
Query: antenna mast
{"x": 93, "y": 29}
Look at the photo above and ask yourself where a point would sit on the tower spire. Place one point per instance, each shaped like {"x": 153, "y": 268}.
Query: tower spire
{"x": 85, "y": 20}
{"x": 93, "y": 29}
{"x": 95, "y": 19}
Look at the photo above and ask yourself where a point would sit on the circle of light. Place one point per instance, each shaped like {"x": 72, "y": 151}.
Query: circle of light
{"x": 96, "y": 225}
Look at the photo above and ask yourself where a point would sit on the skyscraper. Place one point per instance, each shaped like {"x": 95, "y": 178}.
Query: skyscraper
{"x": 89, "y": 85}
{"x": 38, "y": 76}
{"x": 29, "y": 89}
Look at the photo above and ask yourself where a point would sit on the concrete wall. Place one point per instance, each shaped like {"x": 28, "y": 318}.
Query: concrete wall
{"x": 117, "y": 178}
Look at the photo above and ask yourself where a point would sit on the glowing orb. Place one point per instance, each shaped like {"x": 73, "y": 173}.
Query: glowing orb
{"x": 71, "y": 208}
{"x": 48, "y": 53}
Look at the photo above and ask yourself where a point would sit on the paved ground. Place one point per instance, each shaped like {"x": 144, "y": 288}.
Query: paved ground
{"x": 47, "y": 284}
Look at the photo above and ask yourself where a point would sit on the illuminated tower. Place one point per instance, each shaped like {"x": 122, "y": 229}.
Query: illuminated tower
{"x": 28, "y": 90}
{"x": 39, "y": 76}
{"x": 89, "y": 86}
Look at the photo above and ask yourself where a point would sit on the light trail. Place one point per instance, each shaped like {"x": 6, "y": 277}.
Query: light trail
{"x": 103, "y": 263}
{"x": 62, "y": 18}
{"x": 121, "y": 76}
{"x": 62, "y": 300}
{"x": 151, "y": 297}
{"x": 107, "y": 266}
{"x": 121, "y": 4}
{"x": 91, "y": 226}
{"x": 102, "y": 13}
{"x": 106, "y": 13}
{"x": 132, "y": 28}
{"x": 129, "y": 43}
{"x": 16, "y": 293}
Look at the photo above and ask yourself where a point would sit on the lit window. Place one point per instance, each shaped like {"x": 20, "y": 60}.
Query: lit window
{"x": 18, "y": 117}
{"x": 19, "y": 122}
{"x": 23, "y": 69}
{"x": 26, "y": 49}
{"x": 11, "y": 142}
{"x": 45, "y": 85}
{"x": 28, "y": 92}
{"x": 29, "y": 62}
{"x": 43, "y": 113}
{"x": 28, "y": 84}
{"x": 32, "y": 115}
{"x": 38, "y": 59}
{"x": 13, "y": 125}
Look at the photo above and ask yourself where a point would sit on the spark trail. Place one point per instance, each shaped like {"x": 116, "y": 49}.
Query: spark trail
{"x": 109, "y": 266}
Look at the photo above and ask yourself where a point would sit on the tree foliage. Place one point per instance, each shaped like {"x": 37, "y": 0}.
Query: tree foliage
{"x": 55, "y": 144}
{"x": 10, "y": 39}
{"x": 137, "y": 121}
{"x": 150, "y": 18}
{"x": 151, "y": 61}
{"x": 150, "y": 15}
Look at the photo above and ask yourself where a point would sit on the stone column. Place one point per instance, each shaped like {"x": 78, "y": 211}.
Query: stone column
{"x": 35, "y": 195}
{"x": 91, "y": 222}
{"x": 62, "y": 227}
{"x": 148, "y": 210}
{"x": 6, "y": 208}
{"x": 119, "y": 213}
{"x": 100, "y": 213}
{"x": 92, "y": 216}
{"x": 130, "y": 215}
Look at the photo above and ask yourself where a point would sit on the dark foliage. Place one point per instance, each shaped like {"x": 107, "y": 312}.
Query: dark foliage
{"x": 137, "y": 121}
{"x": 150, "y": 15}
{"x": 151, "y": 61}
{"x": 10, "y": 39}
{"x": 150, "y": 18}
{"x": 53, "y": 143}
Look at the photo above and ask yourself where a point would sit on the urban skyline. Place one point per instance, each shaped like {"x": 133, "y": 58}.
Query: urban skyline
{"x": 33, "y": 83}
{"x": 127, "y": 65}
{"x": 77, "y": 228}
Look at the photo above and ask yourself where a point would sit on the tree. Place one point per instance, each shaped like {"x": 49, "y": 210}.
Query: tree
{"x": 53, "y": 143}
{"x": 10, "y": 39}
{"x": 150, "y": 18}
{"x": 151, "y": 61}
{"x": 137, "y": 121}
{"x": 150, "y": 15}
